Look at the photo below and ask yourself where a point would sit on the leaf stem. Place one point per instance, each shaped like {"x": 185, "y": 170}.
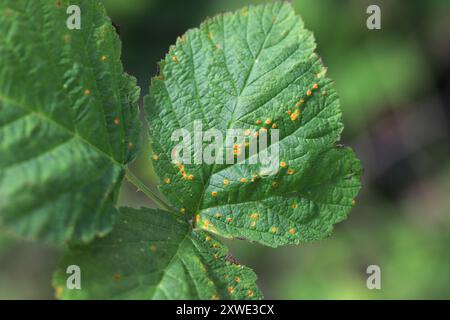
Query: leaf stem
{"x": 146, "y": 190}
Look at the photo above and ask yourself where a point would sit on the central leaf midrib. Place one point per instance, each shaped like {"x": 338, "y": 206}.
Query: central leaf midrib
{"x": 231, "y": 121}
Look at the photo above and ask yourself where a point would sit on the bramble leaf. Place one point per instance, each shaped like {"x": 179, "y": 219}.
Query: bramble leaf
{"x": 152, "y": 254}
{"x": 254, "y": 69}
{"x": 68, "y": 120}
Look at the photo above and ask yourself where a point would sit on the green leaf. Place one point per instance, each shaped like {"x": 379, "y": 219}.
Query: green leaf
{"x": 254, "y": 69}
{"x": 152, "y": 254}
{"x": 69, "y": 120}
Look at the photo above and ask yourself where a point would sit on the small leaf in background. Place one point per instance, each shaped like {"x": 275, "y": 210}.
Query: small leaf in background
{"x": 254, "y": 69}
{"x": 68, "y": 120}
{"x": 152, "y": 254}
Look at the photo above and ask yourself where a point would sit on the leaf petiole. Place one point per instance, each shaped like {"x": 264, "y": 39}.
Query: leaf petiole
{"x": 146, "y": 190}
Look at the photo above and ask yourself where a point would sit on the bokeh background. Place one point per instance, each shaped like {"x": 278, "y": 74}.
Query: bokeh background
{"x": 394, "y": 86}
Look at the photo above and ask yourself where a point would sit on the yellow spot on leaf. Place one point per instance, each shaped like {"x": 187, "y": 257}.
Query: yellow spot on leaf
{"x": 104, "y": 58}
{"x": 117, "y": 277}
{"x": 226, "y": 182}
{"x": 258, "y": 121}
{"x": 87, "y": 92}
{"x": 153, "y": 248}
{"x": 116, "y": 121}
{"x": 250, "y": 293}
{"x": 294, "y": 116}
{"x": 308, "y": 93}
{"x": 175, "y": 59}
{"x": 214, "y": 193}
{"x": 294, "y": 205}
{"x": 268, "y": 121}
{"x": 237, "y": 279}
{"x": 231, "y": 290}
{"x": 208, "y": 238}
{"x": 292, "y": 231}
{"x": 254, "y": 216}
{"x": 229, "y": 219}
{"x": 243, "y": 180}
{"x": 290, "y": 171}
{"x": 283, "y": 164}
{"x": 274, "y": 229}
{"x": 182, "y": 210}
{"x": 155, "y": 157}
{"x": 167, "y": 180}
{"x": 315, "y": 86}
{"x": 58, "y": 292}
{"x": 237, "y": 149}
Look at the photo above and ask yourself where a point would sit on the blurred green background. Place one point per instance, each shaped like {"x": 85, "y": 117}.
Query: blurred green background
{"x": 394, "y": 85}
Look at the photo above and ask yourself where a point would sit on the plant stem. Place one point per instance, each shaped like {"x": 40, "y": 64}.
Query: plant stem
{"x": 146, "y": 190}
